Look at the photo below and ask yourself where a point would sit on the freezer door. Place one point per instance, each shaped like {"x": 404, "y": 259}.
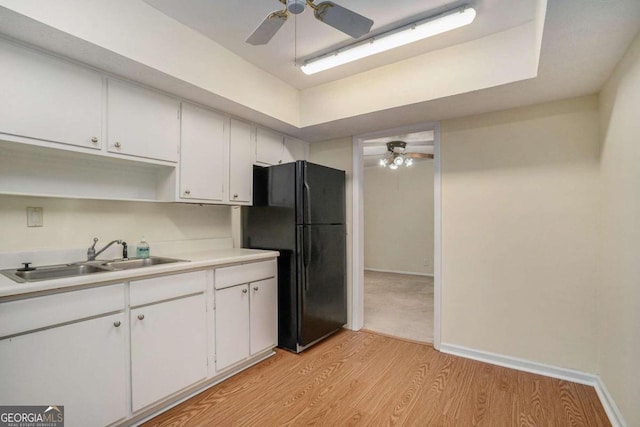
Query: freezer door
{"x": 323, "y": 197}
{"x": 323, "y": 281}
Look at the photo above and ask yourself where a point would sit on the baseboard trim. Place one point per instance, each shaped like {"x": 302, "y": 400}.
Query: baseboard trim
{"x": 412, "y": 273}
{"x": 612, "y": 411}
{"x": 610, "y": 407}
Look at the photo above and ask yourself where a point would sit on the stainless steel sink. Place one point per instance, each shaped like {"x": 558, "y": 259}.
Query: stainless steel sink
{"x": 81, "y": 269}
{"x": 127, "y": 264}
{"x": 53, "y": 272}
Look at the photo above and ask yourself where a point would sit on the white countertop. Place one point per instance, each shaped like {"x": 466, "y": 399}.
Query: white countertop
{"x": 197, "y": 261}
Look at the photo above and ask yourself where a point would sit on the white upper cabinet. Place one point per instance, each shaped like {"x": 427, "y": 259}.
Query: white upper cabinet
{"x": 241, "y": 142}
{"x": 203, "y": 160}
{"x": 274, "y": 149}
{"x": 294, "y": 149}
{"x": 48, "y": 99}
{"x": 142, "y": 122}
{"x": 269, "y": 146}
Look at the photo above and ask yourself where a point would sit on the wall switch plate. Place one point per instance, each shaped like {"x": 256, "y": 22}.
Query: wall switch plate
{"x": 35, "y": 217}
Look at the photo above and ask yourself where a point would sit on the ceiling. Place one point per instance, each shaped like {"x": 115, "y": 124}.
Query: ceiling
{"x": 581, "y": 43}
{"x": 229, "y": 23}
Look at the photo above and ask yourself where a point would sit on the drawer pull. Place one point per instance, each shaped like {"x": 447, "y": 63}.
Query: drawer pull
{"x": 255, "y": 288}
{"x": 117, "y": 323}
{"x": 140, "y": 316}
{"x": 244, "y": 291}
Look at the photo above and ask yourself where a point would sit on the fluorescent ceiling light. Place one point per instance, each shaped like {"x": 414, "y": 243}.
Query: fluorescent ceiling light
{"x": 392, "y": 39}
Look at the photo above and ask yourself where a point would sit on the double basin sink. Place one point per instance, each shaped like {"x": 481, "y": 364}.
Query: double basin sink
{"x": 84, "y": 268}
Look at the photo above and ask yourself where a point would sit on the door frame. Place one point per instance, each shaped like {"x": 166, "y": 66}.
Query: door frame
{"x": 357, "y": 235}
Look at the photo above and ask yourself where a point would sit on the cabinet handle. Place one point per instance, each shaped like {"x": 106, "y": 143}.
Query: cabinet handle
{"x": 94, "y": 139}
{"x": 255, "y": 288}
{"x": 244, "y": 291}
{"x": 235, "y": 196}
{"x": 187, "y": 192}
{"x": 117, "y": 145}
{"x": 116, "y": 323}
{"x": 140, "y": 316}
{"x": 279, "y": 162}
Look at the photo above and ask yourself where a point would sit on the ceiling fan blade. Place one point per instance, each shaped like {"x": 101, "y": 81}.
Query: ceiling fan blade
{"x": 268, "y": 28}
{"x": 419, "y": 156}
{"x": 342, "y": 19}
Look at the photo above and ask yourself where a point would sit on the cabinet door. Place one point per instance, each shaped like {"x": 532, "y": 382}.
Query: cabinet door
{"x": 202, "y": 159}
{"x": 268, "y": 147}
{"x": 142, "y": 122}
{"x": 294, "y": 149}
{"x": 240, "y": 163}
{"x": 49, "y": 99}
{"x": 232, "y": 325}
{"x": 168, "y": 348}
{"x": 80, "y": 366}
{"x": 263, "y": 309}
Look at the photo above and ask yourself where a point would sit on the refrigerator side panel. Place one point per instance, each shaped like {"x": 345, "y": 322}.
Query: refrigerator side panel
{"x": 288, "y": 300}
{"x": 270, "y": 222}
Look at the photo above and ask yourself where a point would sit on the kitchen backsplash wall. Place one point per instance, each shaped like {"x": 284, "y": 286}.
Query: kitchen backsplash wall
{"x": 70, "y": 223}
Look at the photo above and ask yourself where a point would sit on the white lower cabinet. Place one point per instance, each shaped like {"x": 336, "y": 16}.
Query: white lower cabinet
{"x": 232, "y": 326}
{"x": 168, "y": 338}
{"x": 246, "y": 311}
{"x": 263, "y": 314}
{"x": 80, "y": 366}
{"x": 106, "y": 354}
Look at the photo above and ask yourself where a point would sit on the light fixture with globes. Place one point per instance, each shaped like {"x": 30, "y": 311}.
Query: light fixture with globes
{"x": 420, "y": 30}
{"x": 397, "y": 155}
{"x": 394, "y": 160}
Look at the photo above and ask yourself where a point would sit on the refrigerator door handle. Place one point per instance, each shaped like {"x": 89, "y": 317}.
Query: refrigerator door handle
{"x": 306, "y": 256}
{"x": 307, "y": 194}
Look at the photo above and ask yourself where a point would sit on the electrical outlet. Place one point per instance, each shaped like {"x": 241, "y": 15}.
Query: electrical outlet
{"x": 35, "y": 217}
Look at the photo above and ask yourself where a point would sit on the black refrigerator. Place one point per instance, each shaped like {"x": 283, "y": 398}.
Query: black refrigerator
{"x": 299, "y": 210}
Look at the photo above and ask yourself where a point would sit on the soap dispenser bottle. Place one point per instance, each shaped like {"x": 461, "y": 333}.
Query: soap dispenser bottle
{"x": 142, "y": 249}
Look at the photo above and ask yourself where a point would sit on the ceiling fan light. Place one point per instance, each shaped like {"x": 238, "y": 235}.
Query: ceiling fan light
{"x": 392, "y": 39}
{"x": 398, "y": 160}
{"x": 393, "y": 166}
{"x": 296, "y": 6}
{"x": 408, "y": 163}
{"x": 383, "y": 163}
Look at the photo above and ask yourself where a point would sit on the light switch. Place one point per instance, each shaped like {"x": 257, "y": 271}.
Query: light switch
{"x": 35, "y": 217}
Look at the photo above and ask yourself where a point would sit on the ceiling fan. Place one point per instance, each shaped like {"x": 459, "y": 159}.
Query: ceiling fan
{"x": 396, "y": 155}
{"x": 340, "y": 18}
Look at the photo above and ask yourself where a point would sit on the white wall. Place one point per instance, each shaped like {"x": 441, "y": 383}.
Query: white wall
{"x": 619, "y": 293}
{"x": 520, "y": 233}
{"x": 70, "y": 223}
{"x": 398, "y": 218}
{"x": 338, "y": 154}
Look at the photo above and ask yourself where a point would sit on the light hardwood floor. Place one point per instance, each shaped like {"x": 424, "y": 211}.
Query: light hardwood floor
{"x": 362, "y": 378}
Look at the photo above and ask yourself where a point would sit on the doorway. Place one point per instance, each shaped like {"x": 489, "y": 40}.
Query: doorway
{"x": 396, "y": 278}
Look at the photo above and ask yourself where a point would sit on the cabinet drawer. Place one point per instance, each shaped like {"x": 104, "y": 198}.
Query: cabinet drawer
{"x": 40, "y": 312}
{"x": 244, "y": 273}
{"x": 166, "y": 287}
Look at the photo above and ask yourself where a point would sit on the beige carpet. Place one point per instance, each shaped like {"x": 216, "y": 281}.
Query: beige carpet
{"x": 400, "y": 305}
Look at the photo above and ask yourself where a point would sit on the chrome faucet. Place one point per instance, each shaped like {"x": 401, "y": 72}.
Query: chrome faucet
{"x": 92, "y": 254}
